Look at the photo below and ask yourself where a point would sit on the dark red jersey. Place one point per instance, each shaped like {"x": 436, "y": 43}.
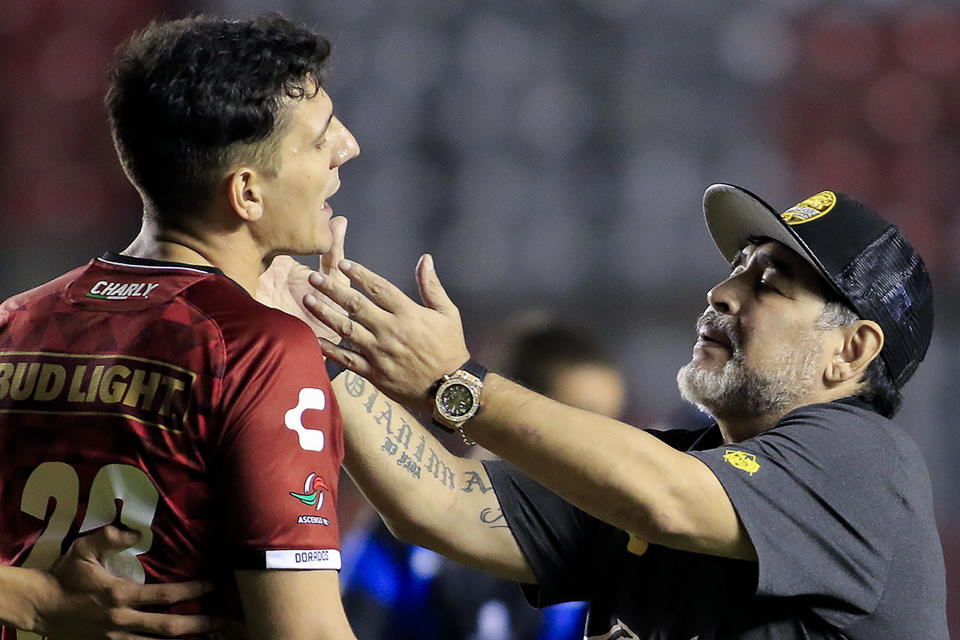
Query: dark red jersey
{"x": 163, "y": 397}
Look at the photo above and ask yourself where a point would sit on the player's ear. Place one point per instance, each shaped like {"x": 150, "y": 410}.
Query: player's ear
{"x": 245, "y": 193}
{"x": 860, "y": 343}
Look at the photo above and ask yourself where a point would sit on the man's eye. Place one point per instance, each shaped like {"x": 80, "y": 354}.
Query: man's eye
{"x": 764, "y": 285}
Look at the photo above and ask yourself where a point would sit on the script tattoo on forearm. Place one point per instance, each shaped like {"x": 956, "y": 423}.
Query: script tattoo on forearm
{"x": 473, "y": 479}
{"x": 410, "y": 449}
{"x": 354, "y": 384}
{"x": 493, "y": 518}
{"x": 407, "y": 443}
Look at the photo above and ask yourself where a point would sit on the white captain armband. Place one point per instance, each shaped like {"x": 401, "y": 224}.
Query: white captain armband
{"x": 288, "y": 559}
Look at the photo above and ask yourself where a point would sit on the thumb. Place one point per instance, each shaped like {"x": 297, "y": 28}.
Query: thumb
{"x": 338, "y": 231}
{"x": 431, "y": 291}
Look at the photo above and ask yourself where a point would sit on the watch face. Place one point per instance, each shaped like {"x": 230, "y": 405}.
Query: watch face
{"x": 456, "y": 400}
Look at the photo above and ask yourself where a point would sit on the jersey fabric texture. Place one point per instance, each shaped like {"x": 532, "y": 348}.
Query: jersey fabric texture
{"x": 837, "y": 502}
{"x": 163, "y": 397}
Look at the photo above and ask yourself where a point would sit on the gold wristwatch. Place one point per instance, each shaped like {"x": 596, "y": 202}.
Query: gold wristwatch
{"x": 457, "y": 397}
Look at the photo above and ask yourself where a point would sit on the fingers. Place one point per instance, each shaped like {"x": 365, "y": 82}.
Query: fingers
{"x": 379, "y": 290}
{"x": 342, "y": 320}
{"x": 431, "y": 291}
{"x": 369, "y": 312}
{"x": 138, "y": 595}
{"x": 108, "y": 539}
{"x": 163, "y": 624}
{"x": 346, "y": 358}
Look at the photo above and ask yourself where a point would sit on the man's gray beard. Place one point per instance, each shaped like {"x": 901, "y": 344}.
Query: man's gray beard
{"x": 738, "y": 390}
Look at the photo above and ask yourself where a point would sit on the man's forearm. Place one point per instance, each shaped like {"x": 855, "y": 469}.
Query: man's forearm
{"x": 392, "y": 458}
{"x": 616, "y": 472}
{"x": 425, "y": 494}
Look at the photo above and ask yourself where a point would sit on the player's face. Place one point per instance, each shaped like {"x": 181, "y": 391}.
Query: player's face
{"x": 759, "y": 349}
{"x": 314, "y": 146}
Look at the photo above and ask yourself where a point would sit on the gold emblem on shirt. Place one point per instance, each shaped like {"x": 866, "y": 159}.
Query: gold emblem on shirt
{"x": 742, "y": 460}
{"x": 636, "y": 546}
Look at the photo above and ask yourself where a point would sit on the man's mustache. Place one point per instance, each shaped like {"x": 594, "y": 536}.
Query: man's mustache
{"x": 720, "y": 323}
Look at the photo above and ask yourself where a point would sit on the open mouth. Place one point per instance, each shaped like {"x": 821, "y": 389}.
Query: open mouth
{"x": 712, "y": 335}
{"x": 710, "y": 331}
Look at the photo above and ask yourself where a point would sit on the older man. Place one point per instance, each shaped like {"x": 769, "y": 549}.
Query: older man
{"x": 804, "y": 512}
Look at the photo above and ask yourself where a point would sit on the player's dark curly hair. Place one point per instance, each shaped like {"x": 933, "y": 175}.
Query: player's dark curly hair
{"x": 188, "y": 97}
{"x": 878, "y": 389}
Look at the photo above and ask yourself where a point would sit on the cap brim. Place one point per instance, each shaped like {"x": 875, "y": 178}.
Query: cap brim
{"x": 735, "y": 217}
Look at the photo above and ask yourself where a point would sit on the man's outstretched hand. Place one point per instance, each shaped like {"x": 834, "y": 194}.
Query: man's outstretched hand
{"x": 400, "y": 346}
{"x": 81, "y": 600}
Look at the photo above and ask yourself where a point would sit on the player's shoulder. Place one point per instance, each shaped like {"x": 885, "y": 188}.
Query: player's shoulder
{"x": 244, "y": 321}
{"x": 43, "y": 291}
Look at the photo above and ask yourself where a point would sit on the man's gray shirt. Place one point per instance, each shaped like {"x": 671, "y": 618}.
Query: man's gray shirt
{"x": 837, "y": 502}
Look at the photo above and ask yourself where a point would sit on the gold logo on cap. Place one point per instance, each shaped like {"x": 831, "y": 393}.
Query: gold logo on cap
{"x": 810, "y": 209}
{"x": 742, "y": 460}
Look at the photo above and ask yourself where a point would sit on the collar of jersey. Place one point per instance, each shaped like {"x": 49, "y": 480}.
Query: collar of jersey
{"x": 117, "y": 258}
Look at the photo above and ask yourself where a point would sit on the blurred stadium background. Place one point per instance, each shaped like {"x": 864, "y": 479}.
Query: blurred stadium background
{"x": 551, "y": 154}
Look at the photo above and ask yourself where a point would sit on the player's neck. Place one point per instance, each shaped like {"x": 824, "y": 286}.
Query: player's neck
{"x": 230, "y": 251}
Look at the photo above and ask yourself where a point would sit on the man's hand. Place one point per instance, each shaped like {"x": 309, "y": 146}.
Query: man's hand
{"x": 395, "y": 343}
{"x": 284, "y": 284}
{"x": 81, "y": 600}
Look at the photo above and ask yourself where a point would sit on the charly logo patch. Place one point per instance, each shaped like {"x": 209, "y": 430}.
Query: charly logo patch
{"x": 742, "y": 460}
{"x": 104, "y": 290}
{"x": 810, "y": 209}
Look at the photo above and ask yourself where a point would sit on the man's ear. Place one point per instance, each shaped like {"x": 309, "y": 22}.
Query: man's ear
{"x": 245, "y": 193}
{"x": 862, "y": 342}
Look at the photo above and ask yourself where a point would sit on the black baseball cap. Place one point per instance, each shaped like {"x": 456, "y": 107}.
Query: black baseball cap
{"x": 864, "y": 258}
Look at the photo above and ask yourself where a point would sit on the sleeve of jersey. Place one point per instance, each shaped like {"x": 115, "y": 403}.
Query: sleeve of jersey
{"x": 280, "y": 451}
{"x": 813, "y": 495}
{"x": 556, "y": 538}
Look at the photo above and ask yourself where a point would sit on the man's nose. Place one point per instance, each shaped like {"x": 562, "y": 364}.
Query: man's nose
{"x": 725, "y": 296}
{"x": 348, "y": 149}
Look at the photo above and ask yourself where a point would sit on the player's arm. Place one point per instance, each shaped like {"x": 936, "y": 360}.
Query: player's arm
{"x": 425, "y": 495}
{"x": 280, "y": 459}
{"x": 294, "y": 605}
{"x": 615, "y": 472}
{"x": 80, "y": 599}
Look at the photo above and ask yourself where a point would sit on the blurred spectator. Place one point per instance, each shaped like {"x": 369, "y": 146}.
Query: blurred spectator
{"x": 570, "y": 366}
